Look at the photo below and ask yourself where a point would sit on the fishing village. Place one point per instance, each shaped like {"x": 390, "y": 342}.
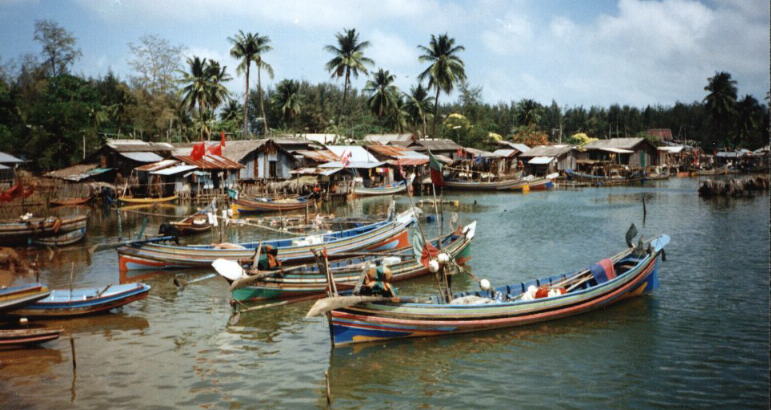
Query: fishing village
{"x": 169, "y": 238}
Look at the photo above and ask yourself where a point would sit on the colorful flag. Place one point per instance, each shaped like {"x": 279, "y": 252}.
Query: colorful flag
{"x": 222, "y": 138}
{"x": 215, "y": 149}
{"x": 423, "y": 250}
{"x": 199, "y": 149}
{"x": 436, "y": 170}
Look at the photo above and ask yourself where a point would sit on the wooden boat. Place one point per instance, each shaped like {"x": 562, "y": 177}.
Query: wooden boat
{"x": 270, "y": 204}
{"x": 83, "y": 301}
{"x": 148, "y": 200}
{"x": 28, "y": 336}
{"x": 531, "y": 183}
{"x": 630, "y": 273}
{"x": 193, "y": 224}
{"x": 467, "y": 185}
{"x": 387, "y": 189}
{"x": 13, "y": 297}
{"x": 382, "y": 235}
{"x": 599, "y": 180}
{"x": 70, "y": 201}
{"x": 22, "y": 231}
{"x": 62, "y": 240}
{"x": 713, "y": 171}
{"x": 306, "y": 280}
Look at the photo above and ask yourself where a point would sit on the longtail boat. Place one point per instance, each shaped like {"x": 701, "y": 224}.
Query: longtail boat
{"x": 469, "y": 185}
{"x": 387, "y": 189}
{"x": 147, "y": 200}
{"x": 388, "y": 234}
{"x": 630, "y": 273}
{"x": 242, "y": 205}
{"x": 83, "y": 301}
{"x": 600, "y": 180}
{"x": 15, "y": 296}
{"x": 306, "y": 280}
{"x": 70, "y": 201}
{"x": 533, "y": 183}
{"x": 22, "y": 231}
{"x": 193, "y": 224}
{"x": 28, "y": 336}
{"x": 62, "y": 240}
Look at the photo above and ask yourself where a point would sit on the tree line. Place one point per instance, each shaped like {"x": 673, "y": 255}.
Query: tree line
{"x": 55, "y": 118}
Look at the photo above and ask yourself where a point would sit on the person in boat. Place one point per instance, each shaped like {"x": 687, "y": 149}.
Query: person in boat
{"x": 269, "y": 259}
{"x": 376, "y": 281}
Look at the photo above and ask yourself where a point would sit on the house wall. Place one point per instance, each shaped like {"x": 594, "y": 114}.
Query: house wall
{"x": 566, "y": 161}
{"x": 644, "y": 155}
{"x": 284, "y": 165}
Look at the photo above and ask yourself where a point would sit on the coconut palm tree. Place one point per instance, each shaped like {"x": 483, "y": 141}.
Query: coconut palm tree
{"x": 721, "y": 102}
{"x": 231, "y": 111}
{"x": 204, "y": 87}
{"x": 445, "y": 70}
{"x": 288, "y": 99}
{"x": 383, "y": 93}
{"x": 249, "y": 47}
{"x": 348, "y": 58}
{"x": 418, "y": 107}
{"x": 528, "y": 112}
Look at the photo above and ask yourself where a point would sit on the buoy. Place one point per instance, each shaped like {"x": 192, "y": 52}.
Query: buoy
{"x": 484, "y": 284}
{"x": 443, "y": 258}
{"x": 433, "y": 266}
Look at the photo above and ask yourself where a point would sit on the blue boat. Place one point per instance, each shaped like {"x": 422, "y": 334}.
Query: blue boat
{"x": 83, "y": 301}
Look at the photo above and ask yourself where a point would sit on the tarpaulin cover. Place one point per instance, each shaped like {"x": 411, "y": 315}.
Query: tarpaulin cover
{"x": 603, "y": 271}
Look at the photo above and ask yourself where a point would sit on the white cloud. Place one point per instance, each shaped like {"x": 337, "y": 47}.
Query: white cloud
{"x": 511, "y": 35}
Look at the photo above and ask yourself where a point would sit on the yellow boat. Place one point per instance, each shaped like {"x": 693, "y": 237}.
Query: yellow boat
{"x": 132, "y": 200}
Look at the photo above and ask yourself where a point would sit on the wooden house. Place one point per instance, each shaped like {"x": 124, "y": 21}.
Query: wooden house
{"x": 547, "y": 159}
{"x": 631, "y": 152}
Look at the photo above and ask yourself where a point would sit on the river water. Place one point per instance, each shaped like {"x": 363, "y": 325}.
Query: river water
{"x": 701, "y": 340}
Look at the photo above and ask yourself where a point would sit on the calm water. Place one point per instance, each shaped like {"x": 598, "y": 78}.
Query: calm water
{"x": 701, "y": 340}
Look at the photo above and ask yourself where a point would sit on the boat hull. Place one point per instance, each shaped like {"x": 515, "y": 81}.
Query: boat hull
{"x": 513, "y": 184}
{"x": 19, "y": 337}
{"x": 81, "y": 302}
{"x": 387, "y": 235}
{"x": 384, "y": 190}
{"x": 62, "y": 240}
{"x": 132, "y": 200}
{"x": 243, "y": 206}
{"x": 382, "y": 321}
{"x": 291, "y": 286}
{"x": 16, "y": 296}
{"x": 23, "y": 232}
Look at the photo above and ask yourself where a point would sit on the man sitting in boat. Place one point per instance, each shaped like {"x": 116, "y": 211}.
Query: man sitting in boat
{"x": 269, "y": 259}
{"x": 376, "y": 282}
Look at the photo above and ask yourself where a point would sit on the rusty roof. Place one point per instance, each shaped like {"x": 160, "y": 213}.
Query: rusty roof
{"x": 129, "y": 145}
{"x": 209, "y": 161}
{"x": 320, "y": 156}
{"x": 157, "y": 165}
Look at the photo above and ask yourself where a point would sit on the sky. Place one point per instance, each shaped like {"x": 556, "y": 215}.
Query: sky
{"x": 598, "y": 52}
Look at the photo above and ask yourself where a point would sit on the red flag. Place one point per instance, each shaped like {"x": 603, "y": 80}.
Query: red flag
{"x": 199, "y": 149}
{"x": 429, "y": 252}
{"x": 222, "y": 139}
{"x": 16, "y": 191}
{"x": 215, "y": 149}
{"x": 436, "y": 170}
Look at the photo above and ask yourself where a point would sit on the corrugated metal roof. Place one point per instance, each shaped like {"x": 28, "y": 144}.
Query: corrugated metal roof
{"x": 319, "y": 156}
{"x": 126, "y": 145}
{"x": 547, "y": 151}
{"x": 209, "y": 161}
{"x": 506, "y": 153}
{"x": 540, "y": 160}
{"x": 174, "y": 170}
{"x": 388, "y": 138}
{"x": 480, "y": 153}
{"x": 142, "y": 156}
{"x": 672, "y": 150}
{"x": 515, "y": 145}
{"x": 315, "y": 171}
{"x": 616, "y": 150}
{"x": 358, "y": 153}
{"x": 623, "y": 143}
{"x": 436, "y": 145}
{"x": 157, "y": 165}
{"x": 407, "y": 162}
{"x": 4, "y": 167}
{"x": 9, "y": 159}
{"x": 397, "y": 152}
{"x": 352, "y": 164}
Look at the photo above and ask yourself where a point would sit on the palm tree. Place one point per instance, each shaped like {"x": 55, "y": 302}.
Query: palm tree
{"x": 205, "y": 89}
{"x": 418, "y": 106}
{"x": 383, "y": 94}
{"x": 249, "y": 48}
{"x": 528, "y": 112}
{"x": 231, "y": 111}
{"x": 348, "y": 58}
{"x": 445, "y": 70}
{"x": 721, "y": 101}
{"x": 288, "y": 100}
{"x": 746, "y": 112}
{"x": 194, "y": 93}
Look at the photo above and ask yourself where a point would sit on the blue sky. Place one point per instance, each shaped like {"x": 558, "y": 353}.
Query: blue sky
{"x": 576, "y": 52}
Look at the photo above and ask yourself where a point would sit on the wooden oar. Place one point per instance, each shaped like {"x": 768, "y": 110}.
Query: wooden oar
{"x": 181, "y": 283}
{"x": 236, "y": 316}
